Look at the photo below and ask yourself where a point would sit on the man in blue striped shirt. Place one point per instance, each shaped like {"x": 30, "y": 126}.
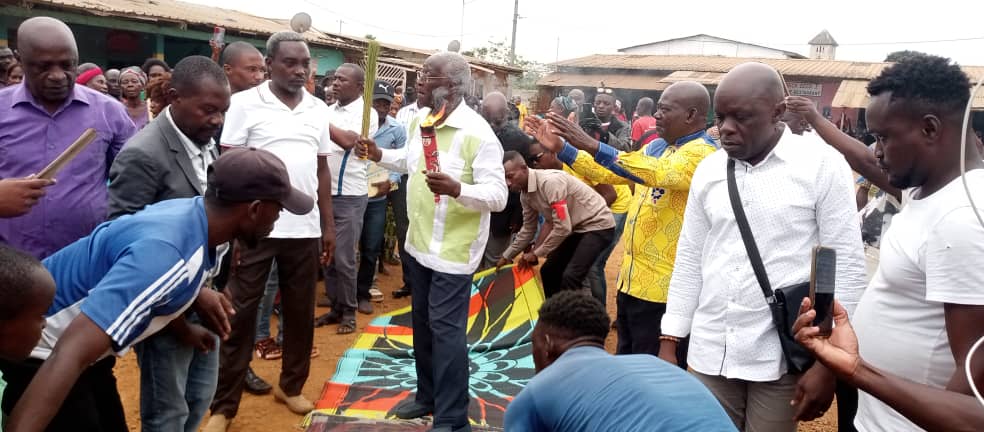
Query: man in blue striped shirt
{"x": 129, "y": 279}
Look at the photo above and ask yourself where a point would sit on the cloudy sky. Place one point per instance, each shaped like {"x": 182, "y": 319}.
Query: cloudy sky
{"x": 867, "y": 30}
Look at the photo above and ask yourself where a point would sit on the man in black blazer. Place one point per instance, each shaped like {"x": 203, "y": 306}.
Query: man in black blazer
{"x": 169, "y": 159}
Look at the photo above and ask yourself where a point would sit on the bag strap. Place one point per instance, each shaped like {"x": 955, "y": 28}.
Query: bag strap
{"x": 746, "y": 235}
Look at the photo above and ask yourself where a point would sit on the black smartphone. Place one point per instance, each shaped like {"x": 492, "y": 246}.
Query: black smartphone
{"x": 587, "y": 111}
{"x": 822, "y": 279}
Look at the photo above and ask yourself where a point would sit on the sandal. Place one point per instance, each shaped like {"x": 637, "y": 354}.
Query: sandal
{"x": 315, "y": 352}
{"x": 267, "y": 349}
{"x": 327, "y": 319}
{"x": 346, "y": 327}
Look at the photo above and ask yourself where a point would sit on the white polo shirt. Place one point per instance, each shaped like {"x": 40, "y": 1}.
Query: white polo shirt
{"x": 257, "y": 118}
{"x": 348, "y": 172}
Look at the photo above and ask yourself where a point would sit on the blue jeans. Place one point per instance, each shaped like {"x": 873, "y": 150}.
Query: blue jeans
{"x": 266, "y": 306}
{"x": 599, "y": 286}
{"x": 371, "y": 245}
{"x": 177, "y": 382}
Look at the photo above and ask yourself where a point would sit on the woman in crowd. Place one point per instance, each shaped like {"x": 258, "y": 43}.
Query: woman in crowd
{"x": 157, "y": 94}
{"x": 92, "y": 77}
{"x": 15, "y": 74}
{"x": 132, "y": 84}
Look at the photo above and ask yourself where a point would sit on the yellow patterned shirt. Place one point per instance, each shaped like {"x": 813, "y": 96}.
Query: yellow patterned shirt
{"x": 655, "y": 214}
{"x": 623, "y": 195}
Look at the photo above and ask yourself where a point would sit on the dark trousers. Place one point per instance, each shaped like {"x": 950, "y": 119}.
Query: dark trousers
{"x": 398, "y": 199}
{"x": 639, "y": 327}
{"x": 371, "y": 246}
{"x": 847, "y": 407}
{"x": 440, "y": 318}
{"x": 568, "y": 265}
{"x": 93, "y": 404}
{"x": 297, "y": 268}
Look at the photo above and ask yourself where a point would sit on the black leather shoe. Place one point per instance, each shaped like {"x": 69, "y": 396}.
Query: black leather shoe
{"x": 408, "y": 410}
{"x": 402, "y": 292}
{"x": 255, "y": 384}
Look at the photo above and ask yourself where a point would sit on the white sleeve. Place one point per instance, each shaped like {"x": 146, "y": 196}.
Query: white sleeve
{"x": 687, "y": 280}
{"x": 325, "y": 145}
{"x": 488, "y": 193}
{"x": 394, "y": 159}
{"x": 839, "y": 229}
{"x": 235, "y": 130}
{"x": 954, "y": 253}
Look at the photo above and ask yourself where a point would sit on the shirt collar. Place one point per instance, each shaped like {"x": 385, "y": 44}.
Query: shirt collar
{"x": 190, "y": 145}
{"x": 22, "y": 95}
{"x": 267, "y": 96}
{"x": 354, "y": 106}
{"x": 458, "y": 118}
{"x": 532, "y": 185}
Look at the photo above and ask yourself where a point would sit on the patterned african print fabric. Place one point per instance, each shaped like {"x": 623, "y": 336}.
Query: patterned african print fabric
{"x": 377, "y": 372}
{"x": 655, "y": 215}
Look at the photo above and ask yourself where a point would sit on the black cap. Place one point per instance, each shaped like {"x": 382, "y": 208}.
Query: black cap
{"x": 382, "y": 90}
{"x": 250, "y": 174}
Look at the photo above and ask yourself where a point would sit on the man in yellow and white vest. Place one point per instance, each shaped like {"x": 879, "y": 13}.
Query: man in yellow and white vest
{"x": 447, "y": 235}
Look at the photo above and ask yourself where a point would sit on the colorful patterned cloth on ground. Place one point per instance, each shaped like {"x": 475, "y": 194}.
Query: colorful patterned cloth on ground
{"x": 378, "y": 372}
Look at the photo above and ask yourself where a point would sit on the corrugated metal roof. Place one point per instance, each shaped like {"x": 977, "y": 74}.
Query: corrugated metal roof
{"x": 851, "y": 94}
{"x": 706, "y": 78}
{"x": 193, "y": 14}
{"x": 788, "y": 67}
{"x": 854, "y": 94}
{"x": 181, "y": 13}
{"x": 618, "y": 81}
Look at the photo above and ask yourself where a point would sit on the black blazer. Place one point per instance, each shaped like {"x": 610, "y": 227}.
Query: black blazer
{"x": 152, "y": 167}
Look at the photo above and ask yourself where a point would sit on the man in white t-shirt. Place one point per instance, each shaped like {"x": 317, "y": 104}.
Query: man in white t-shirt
{"x": 922, "y": 311}
{"x": 281, "y": 117}
{"x": 350, "y": 194}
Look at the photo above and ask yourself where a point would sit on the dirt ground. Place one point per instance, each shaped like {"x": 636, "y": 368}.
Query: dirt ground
{"x": 263, "y": 414}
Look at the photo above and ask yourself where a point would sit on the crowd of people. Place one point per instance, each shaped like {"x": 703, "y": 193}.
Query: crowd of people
{"x": 220, "y": 191}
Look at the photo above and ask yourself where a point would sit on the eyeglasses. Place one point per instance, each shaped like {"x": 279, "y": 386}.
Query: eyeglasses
{"x": 424, "y": 79}
{"x": 602, "y": 90}
{"x": 535, "y": 159}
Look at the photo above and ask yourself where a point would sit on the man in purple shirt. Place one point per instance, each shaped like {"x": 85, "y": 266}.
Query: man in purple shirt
{"x": 39, "y": 119}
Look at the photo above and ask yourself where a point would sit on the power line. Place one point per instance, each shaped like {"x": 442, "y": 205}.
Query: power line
{"x": 881, "y": 43}
{"x": 349, "y": 19}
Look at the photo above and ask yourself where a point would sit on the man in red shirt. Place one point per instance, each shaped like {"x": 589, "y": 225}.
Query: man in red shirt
{"x": 644, "y": 122}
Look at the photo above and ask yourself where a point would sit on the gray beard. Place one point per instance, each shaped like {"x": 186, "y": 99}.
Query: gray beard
{"x": 439, "y": 96}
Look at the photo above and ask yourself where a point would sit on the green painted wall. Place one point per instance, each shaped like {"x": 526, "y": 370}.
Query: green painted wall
{"x": 177, "y": 43}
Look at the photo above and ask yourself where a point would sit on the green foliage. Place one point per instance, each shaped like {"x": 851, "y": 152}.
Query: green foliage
{"x": 498, "y": 52}
{"x": 898, "y": 56}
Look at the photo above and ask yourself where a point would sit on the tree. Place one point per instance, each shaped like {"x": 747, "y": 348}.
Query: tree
{"x": 498, "y": 52}
{"x": 898, "y": 56}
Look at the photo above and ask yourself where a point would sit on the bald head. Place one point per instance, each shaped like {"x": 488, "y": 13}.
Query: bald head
{"x": 577, "y": 95}
{"x": 44, "y": 33}
{"x": 49, "y": 53}
{"x": 495, "y": 109}
{"x": 754, "y": 80}
{"x": 682, "y": 110}
{"x": 749, "y": 106}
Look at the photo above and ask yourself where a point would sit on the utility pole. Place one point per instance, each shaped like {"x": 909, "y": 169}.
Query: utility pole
{"x": 512, "y": 49}
{"x": 557, "y": 55}
{"x": 340, "y": 26}
{"x": 461, "y": 37}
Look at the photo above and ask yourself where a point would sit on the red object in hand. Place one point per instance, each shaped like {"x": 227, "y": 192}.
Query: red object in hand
{"x": 431, "y": 154}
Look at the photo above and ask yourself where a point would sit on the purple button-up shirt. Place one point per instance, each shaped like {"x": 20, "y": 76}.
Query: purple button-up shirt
{"x": 30, "y": 138}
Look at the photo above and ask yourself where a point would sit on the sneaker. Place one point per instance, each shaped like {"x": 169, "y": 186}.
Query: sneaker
{"x": 296, "y": 404}
{"x": 375, "y": 294}
{"x": 217, "y": 423}
{"x": 255, "y": 384}
{"x": 268, "y": 349}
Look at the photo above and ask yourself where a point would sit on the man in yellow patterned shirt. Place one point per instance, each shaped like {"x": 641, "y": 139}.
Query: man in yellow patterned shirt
{"x": 661, "y": 172}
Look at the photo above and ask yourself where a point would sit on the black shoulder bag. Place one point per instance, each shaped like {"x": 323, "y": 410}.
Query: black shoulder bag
{"x": 784, "y": 303}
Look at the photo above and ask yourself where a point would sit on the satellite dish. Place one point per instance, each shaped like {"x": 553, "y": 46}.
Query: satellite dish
{"x": 301, "y": 22}
{"x": 454, "y": 46}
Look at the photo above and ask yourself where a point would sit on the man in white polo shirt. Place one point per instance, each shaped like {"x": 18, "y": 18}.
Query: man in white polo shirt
{"x": 350, "y": 194}
{"x": 281, "y": 117}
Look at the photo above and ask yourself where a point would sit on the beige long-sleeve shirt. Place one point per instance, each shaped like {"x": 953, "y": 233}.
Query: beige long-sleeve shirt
{"x": 573, "y": 206}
